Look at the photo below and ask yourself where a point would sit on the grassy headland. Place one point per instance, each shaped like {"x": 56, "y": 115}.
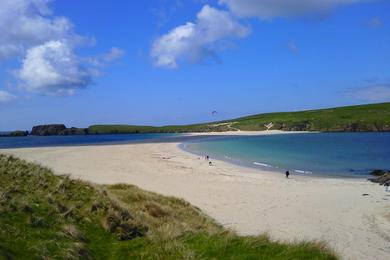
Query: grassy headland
{"x": 362, "y": 118}
{"x": 372, "y": 117}
{"x": 45, "y": 216}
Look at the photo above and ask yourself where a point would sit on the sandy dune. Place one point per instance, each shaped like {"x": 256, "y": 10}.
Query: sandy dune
{"x": 247, "y": 200}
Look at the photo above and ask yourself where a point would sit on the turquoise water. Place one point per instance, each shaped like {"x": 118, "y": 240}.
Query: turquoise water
{"x": 330, "y": 154}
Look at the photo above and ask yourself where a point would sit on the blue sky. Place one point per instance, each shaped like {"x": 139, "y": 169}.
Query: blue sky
{"x": 174, "y": 62}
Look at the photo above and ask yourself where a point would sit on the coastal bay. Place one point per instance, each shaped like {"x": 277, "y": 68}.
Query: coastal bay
{"x": 250, "y": 201}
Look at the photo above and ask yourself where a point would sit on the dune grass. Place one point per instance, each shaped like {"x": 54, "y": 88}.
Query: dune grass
{"x": 45, "y": 216}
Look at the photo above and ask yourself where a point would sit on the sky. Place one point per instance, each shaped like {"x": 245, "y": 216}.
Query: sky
{"x": 162, "y": 62}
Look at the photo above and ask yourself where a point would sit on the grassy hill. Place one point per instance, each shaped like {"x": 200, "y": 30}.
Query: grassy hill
{"x": 372, "y": 117}
{"x": 44, "y": 216}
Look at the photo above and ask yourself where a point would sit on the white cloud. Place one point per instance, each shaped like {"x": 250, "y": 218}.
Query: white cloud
{"x": 268, "y": 9}
{"x": 46, "y": 46}
{"x": 6, "y": 96}
{"x": 193, "y": 42}
{"x": 24, "y": 23}
{"x": 53, "y": 68}
{"x": 377, "y": 93}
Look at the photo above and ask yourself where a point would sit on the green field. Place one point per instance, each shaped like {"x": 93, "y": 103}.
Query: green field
{"x": 44, "y": 216}
{"x": 372, "y": 117}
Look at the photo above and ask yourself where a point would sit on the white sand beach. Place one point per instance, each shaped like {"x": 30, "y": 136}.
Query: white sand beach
{"x": 250, "y": 201}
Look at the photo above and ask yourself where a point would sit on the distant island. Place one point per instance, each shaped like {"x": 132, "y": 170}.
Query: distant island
{"x": 361, "y": 118}
{"x": 14, "y": 134}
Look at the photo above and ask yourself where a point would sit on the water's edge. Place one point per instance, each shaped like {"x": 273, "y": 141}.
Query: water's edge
{"x": 269, "y": 169}
{"x": 192, "y": 147}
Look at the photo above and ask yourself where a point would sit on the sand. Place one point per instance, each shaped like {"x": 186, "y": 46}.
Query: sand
{"x": 249, "y": 201}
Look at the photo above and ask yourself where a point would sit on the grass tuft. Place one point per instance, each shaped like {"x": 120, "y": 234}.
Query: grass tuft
{"x": 45, "y": 216}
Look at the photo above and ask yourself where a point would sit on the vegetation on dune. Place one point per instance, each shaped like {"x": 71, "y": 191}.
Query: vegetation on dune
{"x": 46, "y": 216}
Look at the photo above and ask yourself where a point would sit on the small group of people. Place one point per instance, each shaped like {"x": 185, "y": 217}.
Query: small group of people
{"x": 207, "y": 158}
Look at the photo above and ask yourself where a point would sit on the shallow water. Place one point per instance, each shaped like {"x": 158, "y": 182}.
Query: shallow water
{"x": 316, "y": 154}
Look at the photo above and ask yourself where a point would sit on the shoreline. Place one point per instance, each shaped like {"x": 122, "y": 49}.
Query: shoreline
{"x": 273, "y": 170}
{"x": 261, "y": 166}
{"x": 250, "y": 133}
{"x": 181, "y": 137}
{"x": 249, "y": 201}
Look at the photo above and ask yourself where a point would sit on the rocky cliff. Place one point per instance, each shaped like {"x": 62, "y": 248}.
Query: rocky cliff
{"x": 54, "y": 129}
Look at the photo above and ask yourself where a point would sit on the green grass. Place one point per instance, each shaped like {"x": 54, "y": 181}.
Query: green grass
{"x": 133, "y": 129}
{"x": 372, "y": 117}
{"x": 44, "y": 216}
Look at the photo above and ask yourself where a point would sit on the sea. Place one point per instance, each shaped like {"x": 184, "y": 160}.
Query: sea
{"x": 69, "y": 140}
{"x": 310, "y": 154}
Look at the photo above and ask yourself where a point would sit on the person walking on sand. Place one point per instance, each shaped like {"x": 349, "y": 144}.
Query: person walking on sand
{"x": 387, "y": 184}
{"x": 287, "y": 174}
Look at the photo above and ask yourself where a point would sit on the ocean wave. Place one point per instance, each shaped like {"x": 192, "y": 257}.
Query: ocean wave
{"x": 304, "y": 172}
{"x": 262, "y": 164}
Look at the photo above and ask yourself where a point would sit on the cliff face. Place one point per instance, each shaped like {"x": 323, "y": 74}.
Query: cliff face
{"x": 55, "y": 129}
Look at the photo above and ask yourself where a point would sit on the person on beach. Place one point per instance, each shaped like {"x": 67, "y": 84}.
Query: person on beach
{"x": 387, "y": 184}
{"x": 207, "y": 157}
{"x": 287, "y": 174}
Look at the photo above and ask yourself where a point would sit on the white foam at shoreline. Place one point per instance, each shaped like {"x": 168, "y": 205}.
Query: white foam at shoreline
{"x": 304, "y": 172}
{"x": 262, "y": 164}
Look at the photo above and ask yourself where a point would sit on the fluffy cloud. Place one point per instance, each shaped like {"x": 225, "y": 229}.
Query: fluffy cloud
{"x": 376, "y": 93}
{"x": 53, "y": 68}
{"x": 268, "y": 9}
{"x": 6, "y": 96}
{"x": 46, "y": 46}
{"x": 193, "y": 42}
{"x": 25, "y": 23}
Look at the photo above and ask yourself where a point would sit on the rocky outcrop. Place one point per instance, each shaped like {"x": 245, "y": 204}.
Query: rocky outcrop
{"x": 382, "y": 180}
{"x": 382, "y": 177}
{"x": 42, "y": 130}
